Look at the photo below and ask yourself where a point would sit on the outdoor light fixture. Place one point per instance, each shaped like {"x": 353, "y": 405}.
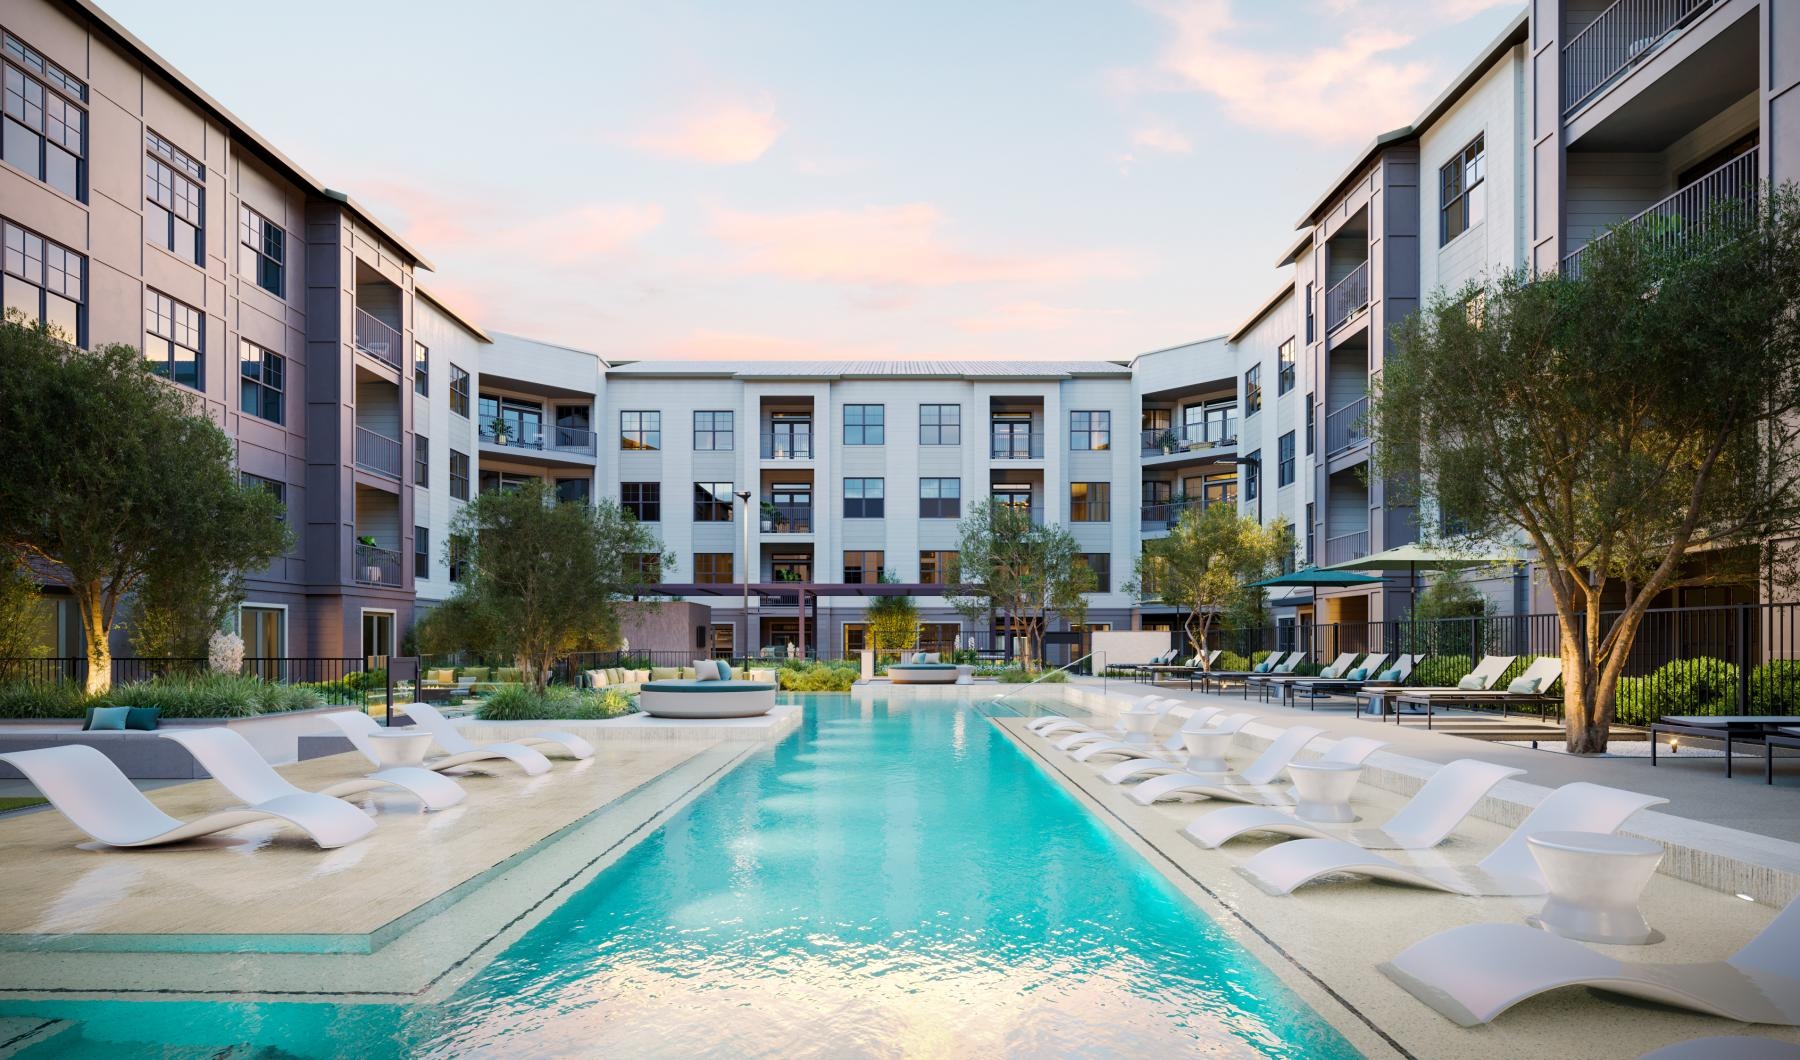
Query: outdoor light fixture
{"x": 745, "y": 495}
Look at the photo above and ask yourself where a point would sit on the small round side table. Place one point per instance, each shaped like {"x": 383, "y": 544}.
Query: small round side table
{"x": 1322, "y": 790}
{"x": 1595, "y": 880}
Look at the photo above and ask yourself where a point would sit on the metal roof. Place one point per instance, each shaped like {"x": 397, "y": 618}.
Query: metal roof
{"x": 874, "y": 369}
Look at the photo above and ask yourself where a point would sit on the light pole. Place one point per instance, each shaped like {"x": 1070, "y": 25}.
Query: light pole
{"x": 745, "y": 495}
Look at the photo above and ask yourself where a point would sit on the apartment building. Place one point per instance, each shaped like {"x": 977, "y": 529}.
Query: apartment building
{"x": 447, "y": 355}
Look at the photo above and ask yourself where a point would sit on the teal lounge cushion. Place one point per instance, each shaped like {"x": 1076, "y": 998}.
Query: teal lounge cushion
{"x": 1260, "y": 668}
{"x": 922, "y": 666}
{"x": 1389, "y": 675}
{"x": 1470, "y": 683}
{"x": 709, "y": 686}
{"x": 1358, "y": 674}
{"x": 1524, "y": 686}
{"x": 106, "y": 719}
{"x": 142, "y": 719}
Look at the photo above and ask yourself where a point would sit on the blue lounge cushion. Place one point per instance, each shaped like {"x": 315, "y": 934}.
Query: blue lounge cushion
{"x": 1358, "y": 674}
{"x": 106, "y": 719}
{"x": 709, "y": 686}
{"x": 1261, "y": 667}
{"x": 143, "y": 719}
{"x": 1389, "y": 675}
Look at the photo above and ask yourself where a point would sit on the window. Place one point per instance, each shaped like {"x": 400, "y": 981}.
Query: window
{"x": 1309, "y": 534}
{"x": 714, "y": 432}
{"x": 940, "y": 424}
{"x": 45, "y": 281}
{"x": 277, "y": 489}
{"x": 713, "y": 568}
{"x": 421, "y": 552}
{"x": 724, "y": 641}
{"x": 1253, "y": 390}
{"x": 421, "y": 461}
{"x": 1310, "y": 333}
{"x": 1284, "y": 460}
{"x": 43, "y": 129}
{"x": 459, "y": 392}
{"x": 174, "y": 339}
{"x": 1310, "y": 429}
{"x": 1284, "y": 367}
{"x": 640, "y": 430}
{"x": 939, "y": 568}
{"x": 940, "y": 498}
{"x": 459, "y": 475}
{"x": 1101, "y": 564}
{"x": 712, "y": 502}
{"x": 421, "y": 369}
{"x": 863, "y": 568}
{"x": 856, "y": 638}
{"x": 864, "y": 498}
{"x": 1460, "y": 201}
{"x": 940, "y": 637}
{"x": 173, "y": 195}
{"x": 1090, "y": 431}
{"x": 1253, "y": 475}
{"x": 262, "y": 250}
{"x": 643, "y": 500}
{"x": 646, "y": 565}
{"x": 261, "y": 375}
{"x": 494, "y": 481}
{"x": 865, "y": 425}
{"x": 1090, "y": 502}
{"x": 574, "y": 490}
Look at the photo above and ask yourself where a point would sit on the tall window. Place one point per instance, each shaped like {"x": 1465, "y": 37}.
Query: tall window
{"x": 713, "y": 568}
{"x": 640, "y": 430}
{"x": 275, "y": 488}
{"x": 1090, "y": 431}
{"x": 712, "y": 502}
{"x": 940, "y": 424}
{"x": 940, "y": 498}
{"x": 1284, "y": 460}
{"x": 44, "y": 281}
{"x": 1309, "y": 313}
{"x": 261, "y": 379}
{"x": 856, "y": 638}
{"x": 421, "y": 461}
{"x": 421, "y": 552}
{"x": 43, "y": 133}
{"x": 865, "y": 424}
{"x": 1309, "y": 534}
{"x": 459, "y": 475}
{"x": 458, "y": 556}
{"x": 174, "y": 193}
{"x": 715, "y": 432}
{"x": 174, "y": 339}
{"x": 1284, "y": 367}
{"x": 1101, "y": 564}
{"x": 1461, "y": 202}
{"x": 1253, "y": 476}
{"x": 262, "y": 251}
{"x": 421, "y": 369}
{"x": 1253, "y": 390}
{"x": 1090, "y": 502}
{"x": 863, "y": 568}
{"x": 643, "y": 500}
{"x": 459, "y": 392}
{"x": 1310, "y": 429}
{"x": 865, "y": 498}
{"x": 574, "y": 490}
{"x": 939, "y": 568}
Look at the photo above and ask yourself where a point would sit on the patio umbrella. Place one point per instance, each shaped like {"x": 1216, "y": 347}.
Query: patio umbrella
{"x": 1314, "y": 576}
{"x": 1409, "y": 558}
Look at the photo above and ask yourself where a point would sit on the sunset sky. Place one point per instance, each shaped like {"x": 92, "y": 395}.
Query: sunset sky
{"x": 1000, "y": 178}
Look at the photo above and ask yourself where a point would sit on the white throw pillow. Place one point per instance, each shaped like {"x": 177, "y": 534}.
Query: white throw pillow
{"x": 704, "y": 670}
{"x": 1471, "y": 683}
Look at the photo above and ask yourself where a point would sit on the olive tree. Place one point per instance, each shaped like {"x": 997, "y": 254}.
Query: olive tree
{"x": 893, "y": 621}
{"x": 1027, "y": 572}
{"x": 1622, "y": 418}
{"x": 1205, "y": 565}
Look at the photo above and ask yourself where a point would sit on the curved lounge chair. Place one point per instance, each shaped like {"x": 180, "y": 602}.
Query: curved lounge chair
{"x": 1428, "y": 817}
{"x": 1051, "y": 724}
{"x": 1473, "y": 973}
{"x": 1197, "y": 721}
{"x": 1070, "y": 741}
{"x": 243, "y": 772}
{"x": 89, "y": 790}
{"x": 359, "y": 727}
{"x": 446, "y": 734}
{"x": 1063, "y": 729}
{"x": 1509, "y": 870}
{"x": 1259, "y": 773}
{"x": 1156, "y": 764}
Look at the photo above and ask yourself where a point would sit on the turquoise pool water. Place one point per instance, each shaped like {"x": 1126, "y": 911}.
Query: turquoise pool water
{"x": 894, "y": 878}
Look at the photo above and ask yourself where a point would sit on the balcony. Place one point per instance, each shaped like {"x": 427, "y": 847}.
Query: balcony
{"x": 539, "y": 438}
{"x": 378, "y": 453}
{"x": 787, "y": 446}
{"x": 1017, "y": 445}
{"x": 1346, "y": 297}
{"x": 1625, "y": 34}
{"x": 1164, "y": 514}
{"x": 1684, "y": 215}
{"x": 377, "y": 566}
{"x": 1189, "y": 438}
{"x": 377, "y": 339}
{"x": 1344, "y": 428}
{"x": 1345, "y": 547}
{"x": 787, "y": 518}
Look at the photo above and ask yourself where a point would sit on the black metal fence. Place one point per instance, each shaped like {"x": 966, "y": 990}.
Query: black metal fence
{"x": 135, "y": 669}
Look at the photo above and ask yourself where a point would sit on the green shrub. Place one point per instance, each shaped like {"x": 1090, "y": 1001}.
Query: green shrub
{"x": 1232, "y": 663}
{"x": 1308, "y": 669}
{"x": 1775, "y": 687}
{"x": 1016, "y": 675}
{"x": 214, "y": 696}
{"x": 41, "y": 699}
{"x": 1685, "y": 686}
{"x": 797, "y": 675}
{"x": 557, "y": 703}
{"x": 1442, "y": 671}
{"x": 1258, "y": 656}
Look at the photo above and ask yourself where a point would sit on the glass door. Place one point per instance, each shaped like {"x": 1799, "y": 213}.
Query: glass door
{"x": 377, "y": 634}
{"x": 790, "y": 437}
{"x": 264, "y": 630}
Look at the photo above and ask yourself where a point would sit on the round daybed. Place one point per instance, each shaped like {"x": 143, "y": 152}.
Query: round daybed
{"x": 706, "y": 699}
{"x": 924, "y": 673}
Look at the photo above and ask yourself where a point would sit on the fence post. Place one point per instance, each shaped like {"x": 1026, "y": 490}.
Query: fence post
{"x": 389, "y": 670}
{"x": 1744, "y": 656}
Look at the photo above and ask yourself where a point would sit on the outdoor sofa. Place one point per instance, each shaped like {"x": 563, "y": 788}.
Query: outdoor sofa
{"x": 711, "y": 693}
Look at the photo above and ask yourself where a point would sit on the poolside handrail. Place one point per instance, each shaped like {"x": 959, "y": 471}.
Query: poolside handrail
{"x": 1047, "y": 673}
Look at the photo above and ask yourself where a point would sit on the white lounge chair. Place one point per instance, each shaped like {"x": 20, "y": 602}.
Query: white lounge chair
{"x": 1051, "y": 724}
{"x": 89, "y": 790}
{"x": 243, "y": 772}
{"x": 1197, "y": 720}
{"x": 446, "y": 734}
{"x": 1428, "y": 817}
{"x": 1171, "y": 759}
{"x": 1508, "y": 870}
{"x": 1066, "y": 741}
{"x": 359, "y": 727}
{"x": 1231, "y": 786}
{"x": 1473, "y": 973}
{"x": 1486, "y": 672}
{"x": 1338, "y": 668}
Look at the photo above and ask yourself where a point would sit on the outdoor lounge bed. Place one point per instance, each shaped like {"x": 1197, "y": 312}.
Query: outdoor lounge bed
{"x": 1473, "y": 973}
{"x": 707, "y": 699}
{"x": 359, "y": 728}
{"x": 1317, "y": 688}
{"x": 1788, "y": 737}
{"x": 1277, "y": 663}
{"x": 1531, "y": 687}
{"x": 924, "y": 673}
{"x": 1195, "y": 664}
{"x": 89, "y": 790}
{"x": 1486, "y": 672}
{"x": 1729, "y": 728}
{"x": 242, "y": 771}
{"x": 1136, "y": 670}
{"x": 1264, "y": 682}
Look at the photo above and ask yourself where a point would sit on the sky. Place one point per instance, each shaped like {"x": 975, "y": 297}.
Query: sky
{"x": 826, "y": 178}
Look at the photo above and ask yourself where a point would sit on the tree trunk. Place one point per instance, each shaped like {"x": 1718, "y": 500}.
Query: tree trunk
{"x": 1581, "y": 679}
{"x": 98, "y": 637}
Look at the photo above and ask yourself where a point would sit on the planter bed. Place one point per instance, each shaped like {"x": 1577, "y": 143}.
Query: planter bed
{"x": 142, "y": 756}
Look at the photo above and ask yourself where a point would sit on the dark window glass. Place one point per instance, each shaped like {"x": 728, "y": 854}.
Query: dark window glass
{"x": 1101, "y": 564}
{"x": 1461, "y": 197}
{"x": 1310, "y": 429}
{"x": 714, "y": 568}
{"x": 712, "y": 502}
{"x": 421, "y": 552}
{"x": 940, "y": 424}
{"x": 1090, "y": 431}
{"x": 1253, "y": 476}
{"x": 275, "y": 488}
{"x": 1284, "y": 457}
{"x": 1090, "y": 502}
{"x": 864, "y": 498}
{"x": 174, "y": 199}
{"x": 459, "y": 475}
{"x": 44, "y": 131}
{"x": 261, "y": 381}
{"x": 421, "y": 369}
{"x": 174, "y": 339}
{"x": 865, "y": 425}
{"x": 262, "y": 251}
{"x": 940, "y": 498}
{"x": 643, "y": 500}
{"x": 421, "y": 461}
{"x": 45, "y": 282}
{"x": 715, "y": 432}
{"x": 939, "y": 568}
{"x": 640, "y": 430}
{"x": 1284, "y": 361}
{"x": 1309, "y": 313}
{"x": 863, "y": 568}
{"x": 1253, "y": 390}
{"x": 574, "y": 490}
{"x": 459, "y": 391}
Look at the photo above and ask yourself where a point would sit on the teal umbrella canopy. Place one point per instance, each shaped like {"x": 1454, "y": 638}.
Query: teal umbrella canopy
{"x": 1316, "y": 577}
{"x": 1411, "y": 557}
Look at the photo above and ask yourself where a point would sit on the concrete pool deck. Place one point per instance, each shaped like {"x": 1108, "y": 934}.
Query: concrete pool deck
{"x": 1326, "y": 940}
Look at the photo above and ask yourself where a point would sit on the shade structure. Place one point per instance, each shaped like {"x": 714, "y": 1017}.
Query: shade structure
{"x": 1316, "y": 577}
{"x": 1411, "y": 557}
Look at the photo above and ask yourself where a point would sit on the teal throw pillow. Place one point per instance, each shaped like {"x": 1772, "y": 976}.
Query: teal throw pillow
{"x": 1389, "y": 675}
{"x": 142, "y": 719}
{"x": 107, "y": 719}
{"x": 1357, "y": 674}
{"x": 1261, "y": 668}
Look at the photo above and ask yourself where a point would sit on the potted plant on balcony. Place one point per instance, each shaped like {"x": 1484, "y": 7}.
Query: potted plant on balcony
{"x": 1166, "y": 441}
{"x": 776, "y": 519}
{"x": 500, "y": 430}
{"x": 366, "y": 549}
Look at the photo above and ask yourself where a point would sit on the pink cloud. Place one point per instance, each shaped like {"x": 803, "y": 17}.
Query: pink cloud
{"x": 727, "y": 133}
{"x": 710, "y": 344}
{"x": 437, "y": 223}
{"x": 1164, "y": 139}
{"x": 1041, "y": 317}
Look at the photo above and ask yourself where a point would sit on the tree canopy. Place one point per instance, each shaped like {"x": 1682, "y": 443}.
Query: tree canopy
{"x": 893, "y": 621}
{"x": 1622, "y": 418}
{"x": 1021, "y": 571}
{"x": 1205, "y": 565}
{"x": 115, "y": 478}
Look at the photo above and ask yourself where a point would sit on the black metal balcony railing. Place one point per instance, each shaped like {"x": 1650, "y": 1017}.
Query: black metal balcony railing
{"x": 1189, "y": 437}
{"x": 1684, "y": 215}
{"x": 377, "y": 453}
{"x": 1345, "y": 547}
{"x": 1344, "y": 428}
{"x": 1035, "y": 511}
{"x": 1346, "y": 296}
{"x": 1161, "y": 515}
{"x": 787, "y": 518}
{"x": 377, "y": 339}
{"x": 377, "y": 566}
{"x": 539, "y": 437}
{"x": 1622, "y": 36}
{"x": 1017, "y": 445}
{"x": 786, "y": 446}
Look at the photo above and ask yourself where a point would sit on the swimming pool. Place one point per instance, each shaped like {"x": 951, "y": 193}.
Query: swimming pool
{"x": 894, "y": 877}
